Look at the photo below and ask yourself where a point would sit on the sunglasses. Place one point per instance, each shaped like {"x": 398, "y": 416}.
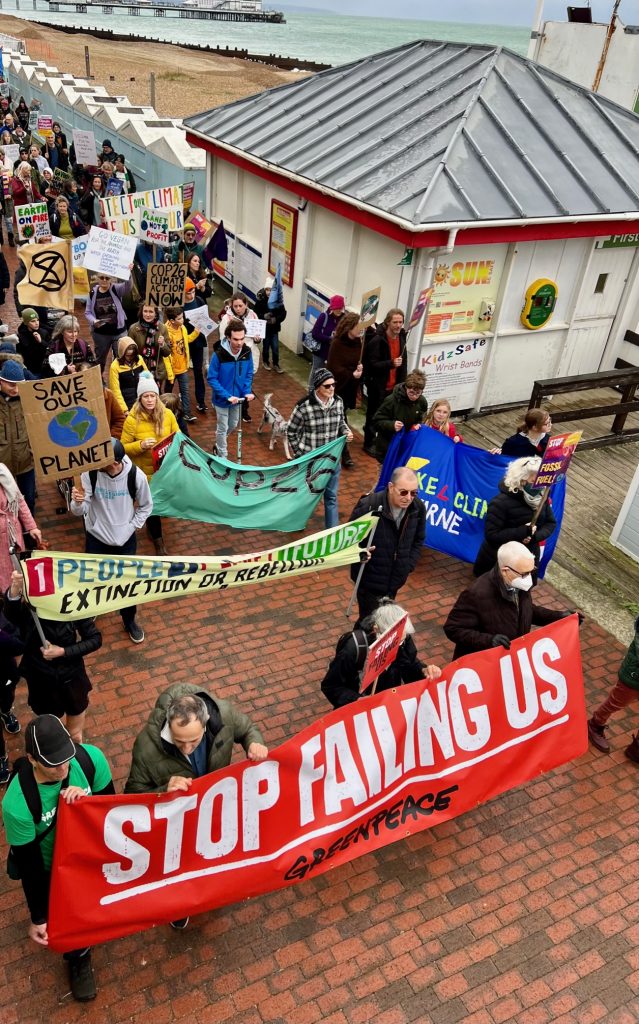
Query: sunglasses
{"x": 403, "y": 492}
{"x": 327, "y": 386}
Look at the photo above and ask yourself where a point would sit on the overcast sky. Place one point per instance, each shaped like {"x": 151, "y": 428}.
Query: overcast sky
{"x": 490, "y": 12}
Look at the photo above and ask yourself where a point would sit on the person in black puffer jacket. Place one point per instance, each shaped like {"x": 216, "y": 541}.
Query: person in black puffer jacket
{"x": 341, "y": 683}
{"x": 510, "y": 514}
{"x": 57, "y": 682}
{"x": 398, "y": 540}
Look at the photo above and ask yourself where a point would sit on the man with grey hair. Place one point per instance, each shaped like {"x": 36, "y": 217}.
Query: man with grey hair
{"x": 498, "y": 607}
{"x": 398, "y": 542}
{"x": 189, "y": 734}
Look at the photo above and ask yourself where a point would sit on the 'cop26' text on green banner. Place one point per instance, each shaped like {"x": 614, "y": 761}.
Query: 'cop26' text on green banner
{"x": 192, "y": 484}
{"x": 63, "y": 585}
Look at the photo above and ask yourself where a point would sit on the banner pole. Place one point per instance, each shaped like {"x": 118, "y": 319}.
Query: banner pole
{"x": 239, "y": 433}
{"x": 361, "y": 568}
{"x": 15, "y": 561}
{"x": 538, "y": 510}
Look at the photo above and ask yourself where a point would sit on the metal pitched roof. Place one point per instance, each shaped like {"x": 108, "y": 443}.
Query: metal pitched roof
{"x": 434, "y": 132}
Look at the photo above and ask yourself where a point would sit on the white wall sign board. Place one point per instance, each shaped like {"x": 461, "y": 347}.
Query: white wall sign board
{"x": 249, "y": 268}
{"x": 453, "y": 371}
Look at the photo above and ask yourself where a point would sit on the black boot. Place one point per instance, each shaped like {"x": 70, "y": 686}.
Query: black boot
{"x": 245, "y": 411}
{"x": 632, "y": 752}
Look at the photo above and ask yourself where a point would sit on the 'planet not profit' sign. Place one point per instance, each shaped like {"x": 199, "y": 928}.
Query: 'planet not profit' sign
{"x": 67, "y": 424}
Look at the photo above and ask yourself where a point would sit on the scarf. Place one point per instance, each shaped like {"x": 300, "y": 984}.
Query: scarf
{"x": 10, "y": 488}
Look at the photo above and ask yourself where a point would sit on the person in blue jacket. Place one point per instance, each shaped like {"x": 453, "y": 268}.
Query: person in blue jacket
{"x": 231, "y": 378}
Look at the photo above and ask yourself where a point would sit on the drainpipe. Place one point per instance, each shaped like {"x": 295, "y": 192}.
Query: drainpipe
{"x": 536, "y": 33}
{"x": 432, "y": 255}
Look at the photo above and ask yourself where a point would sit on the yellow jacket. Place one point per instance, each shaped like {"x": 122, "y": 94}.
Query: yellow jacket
{"x": 133, "y": 374}
{"x": 136, "y": 430}
{"x": 180, "y": 339}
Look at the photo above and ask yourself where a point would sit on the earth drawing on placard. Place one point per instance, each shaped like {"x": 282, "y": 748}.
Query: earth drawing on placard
{"x": 72, "y": 427}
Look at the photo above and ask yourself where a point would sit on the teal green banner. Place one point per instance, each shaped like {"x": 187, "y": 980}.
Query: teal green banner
{"x": 193, "y": 484}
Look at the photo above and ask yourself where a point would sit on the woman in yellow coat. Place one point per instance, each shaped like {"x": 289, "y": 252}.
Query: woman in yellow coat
{"x": 148, "y": 422}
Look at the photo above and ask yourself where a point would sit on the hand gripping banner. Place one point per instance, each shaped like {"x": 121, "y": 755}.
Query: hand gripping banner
{"x": 63, "y": 585}
{"x": 360, "y": 778}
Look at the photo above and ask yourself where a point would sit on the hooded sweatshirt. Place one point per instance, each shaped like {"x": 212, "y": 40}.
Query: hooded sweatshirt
{"x": 124, "y": 377}
{"x": 109, "y": 513}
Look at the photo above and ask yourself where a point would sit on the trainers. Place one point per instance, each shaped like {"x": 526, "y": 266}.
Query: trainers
{"x": 278, "y": 369}
{"x": 597, "y": 736}
{"x": 81, "y": 978}
{"x": 5, "y": 772}
{"x": 10, "y": 722}
{"x": 267, "y": 366}
{"x": 135, "y": 632}
{"x": 191, "y": 419}
{"x": 201, "y": 408}
{"x": 180, "y": 924}
{"x": 246, "y": 418}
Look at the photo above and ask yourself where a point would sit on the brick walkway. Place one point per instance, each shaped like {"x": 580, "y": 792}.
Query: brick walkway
{"x": 524, "y": 910}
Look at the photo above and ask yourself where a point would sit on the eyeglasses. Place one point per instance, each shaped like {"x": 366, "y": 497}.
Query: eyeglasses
{"x": 520, "y": 574}
{"x": 403, "y": 491}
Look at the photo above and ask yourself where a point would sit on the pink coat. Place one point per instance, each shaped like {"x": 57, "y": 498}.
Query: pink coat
{"x": 24, "y": 521}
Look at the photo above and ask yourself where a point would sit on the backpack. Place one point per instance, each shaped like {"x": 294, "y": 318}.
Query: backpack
{"x": 360, "y": 640}
{"x": 23, "y": 769}
{"x": 131, "y": 480}
{"x": 311, "y": 343}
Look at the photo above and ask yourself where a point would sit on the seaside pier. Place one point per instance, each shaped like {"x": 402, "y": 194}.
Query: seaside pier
{"x": 224, "y": 11}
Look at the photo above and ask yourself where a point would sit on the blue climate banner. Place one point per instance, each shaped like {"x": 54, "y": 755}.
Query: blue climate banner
{"x": 456, "y": 482}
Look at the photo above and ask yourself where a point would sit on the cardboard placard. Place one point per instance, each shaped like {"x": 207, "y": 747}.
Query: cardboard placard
{"x": 420, "y": 306}
{"x": 188, "y": 191}
{"x": 11, "y": 153}
{"x": 122, "y": 213}
{"x": 109, "y": 253}
{"x": 48, "y": 280}
{"x": 32, "y": 221}
{"x": 370, "y": 305}
{"x": 382, "y": 653}
{"x": 159, "y": 451}
{"x": 114, "y": 187}
{"x": 67, "y": 424}
{"x": 556, "y": 458}
{"x": 165, "y": 284}
{"x": 154, "y": 227}
{"x": 84, "y": 145}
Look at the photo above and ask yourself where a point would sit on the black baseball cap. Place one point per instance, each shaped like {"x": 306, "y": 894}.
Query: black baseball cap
{"x": 48, "y": 742}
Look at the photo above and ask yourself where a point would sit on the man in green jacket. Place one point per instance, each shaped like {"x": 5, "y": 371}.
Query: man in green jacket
{"x": 624, "y": 692}
{"x": 189, "y": 734}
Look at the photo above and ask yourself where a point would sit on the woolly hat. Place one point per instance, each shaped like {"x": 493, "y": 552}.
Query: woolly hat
{"x": 8, "y": 346}
{"x": 12, "y": 372}
{"x": 28, "y": 315}
{"x": 106, "y": 142}
{"x": 336, "y": 302}
{"x": 270, "y": 281}
{"x": 146, "y": 384}
{"x": 320, "y": 377}
{"x": 189, "y": 284}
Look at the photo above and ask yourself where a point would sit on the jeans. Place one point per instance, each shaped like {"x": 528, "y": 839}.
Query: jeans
{"x": 318, "y": 364}
{"x": 95, "y": 546}
{"x": 103, "y": 342}
{"x": 271, "y": 345}
{"x": 228, "y": 418}
{"x": 331, "y": 513}
{"x": 183, "y": 384}
{"x": 26, "y": 484}
{"x": 197, "y": 358}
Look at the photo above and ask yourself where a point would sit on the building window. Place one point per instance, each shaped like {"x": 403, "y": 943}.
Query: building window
{"x": 601, "y": 284}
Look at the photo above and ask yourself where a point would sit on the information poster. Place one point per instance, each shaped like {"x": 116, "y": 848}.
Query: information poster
{"x": 250, "y": 276}
{"x": 283, "y": 236}
{"x": 316, "y": 303}
{"x": 465, "y": 290}
{"x": 453, "y": 371}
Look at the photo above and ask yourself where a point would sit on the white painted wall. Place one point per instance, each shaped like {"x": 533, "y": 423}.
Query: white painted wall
{"x": 574, "y": 51}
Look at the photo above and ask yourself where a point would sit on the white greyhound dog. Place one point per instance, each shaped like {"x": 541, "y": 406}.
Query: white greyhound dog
{"x": 277, "y": 423}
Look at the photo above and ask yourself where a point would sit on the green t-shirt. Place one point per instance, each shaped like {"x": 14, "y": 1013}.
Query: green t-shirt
{"x": 18, "y": 821}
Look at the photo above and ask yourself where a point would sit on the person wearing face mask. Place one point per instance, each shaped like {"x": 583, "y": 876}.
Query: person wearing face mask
{"x": 498, "y": 607}
{"x": 511, "y": 512}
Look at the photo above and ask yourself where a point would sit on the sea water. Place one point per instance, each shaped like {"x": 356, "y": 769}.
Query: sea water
{"x": 326, "y": 38}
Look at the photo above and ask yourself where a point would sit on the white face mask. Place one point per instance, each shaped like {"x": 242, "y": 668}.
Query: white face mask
{"x": 522, "y": 582}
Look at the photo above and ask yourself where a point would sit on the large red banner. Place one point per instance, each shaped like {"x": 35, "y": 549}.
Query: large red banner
{"x": 359, "y": 778}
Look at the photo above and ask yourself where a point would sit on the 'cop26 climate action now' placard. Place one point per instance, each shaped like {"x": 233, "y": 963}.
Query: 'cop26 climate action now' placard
{"x": 67, "y": 424}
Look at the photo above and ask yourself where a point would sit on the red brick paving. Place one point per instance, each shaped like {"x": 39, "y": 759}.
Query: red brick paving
{"x": 523, "y": 910}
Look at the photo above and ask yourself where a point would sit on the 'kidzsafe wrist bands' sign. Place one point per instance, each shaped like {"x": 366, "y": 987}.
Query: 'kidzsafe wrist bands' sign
{"x": 358, "y": 779}
{"x": 65, "y": 586}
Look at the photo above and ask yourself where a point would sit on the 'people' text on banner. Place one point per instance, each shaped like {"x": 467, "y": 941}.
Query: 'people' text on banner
{"x": 66, "y": 586}
{"x": 358, "y": 779}
{"x": 208, "y": 489}
{"x": 67, "y": 424}
{"x": 456, "y": 482}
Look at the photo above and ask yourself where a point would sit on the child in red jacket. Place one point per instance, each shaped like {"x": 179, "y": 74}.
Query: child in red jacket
{"x": 438, "y": 417}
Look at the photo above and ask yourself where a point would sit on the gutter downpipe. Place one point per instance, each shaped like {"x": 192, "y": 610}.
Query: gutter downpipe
{"x": 425, "y": 270}
{"x": 405, "y": 225}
